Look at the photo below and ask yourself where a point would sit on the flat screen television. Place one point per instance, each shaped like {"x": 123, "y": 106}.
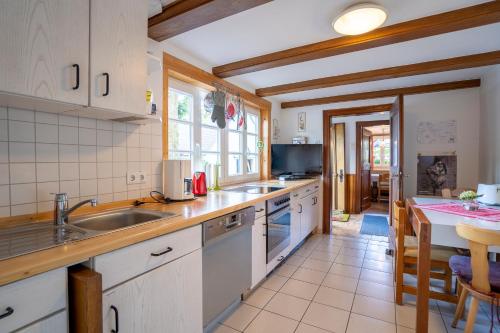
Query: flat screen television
{"x": 296, "y": 159}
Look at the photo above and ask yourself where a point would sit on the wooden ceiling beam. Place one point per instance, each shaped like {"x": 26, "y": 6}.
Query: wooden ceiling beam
{"x": 185, "y": 15}
{"x": 455, "y": 20}
{"x": 422, "y": 89}
{"x": 356, "y": 111}
{"x": 435, "y": 66}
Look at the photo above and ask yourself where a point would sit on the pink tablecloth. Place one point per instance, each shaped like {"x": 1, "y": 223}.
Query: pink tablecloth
{"x": 484, "y": 213}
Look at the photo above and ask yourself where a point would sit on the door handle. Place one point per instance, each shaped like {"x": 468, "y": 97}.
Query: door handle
{"x": 116, "y": 330}
{"x": 341, "y": 175}
{"x": 106, "y": 92}
{"x": 77, "y": 83}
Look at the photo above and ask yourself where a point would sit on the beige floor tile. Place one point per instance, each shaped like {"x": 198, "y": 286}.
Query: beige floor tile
{"x": 376, "y": 265}
{"x": 270, "y": 322}
{"x": 288, "y": 306}
{"x": 304, "y": 328}
{"x": 260, "y": 297}
{"x": 305, "y": 252}
{"x": 340, "y": 282}
{"x": 295, "y": 260}
{"x": 348, "y": 260}
{"x": 360, "y": 324}
{"x": 309, "y": 275}
{"x": 352, "y": 252}
{"x": 374, "y": 308}
{"x": 334, "y": 297}
{"x": 433, "y": 304}
{"x": 326, "y": 317}
{"x": 378, "y": 256}
{"x": 318, "y": 265}
{"x": 376, "y": 248}
{"x": 345, "y": 270}
{"x": 377, "y": 276}
{"x": 241, "y": 317}
{"x": 333, "y": 249}
{"x": 274, "y": 282}
{"x": 402, "y": 329}
{"x": 375, "y": 290}
{"x": 380, "y": 238}
{"x": 286, "y": 270}
{"x": 406, "y": 316}
{"x": 224, "y": 329}
{"x": 320, "y": 255}
{"x": 355, "y": 245}
{"x": 300, "y": 289}
{"x": 481, "y": 325}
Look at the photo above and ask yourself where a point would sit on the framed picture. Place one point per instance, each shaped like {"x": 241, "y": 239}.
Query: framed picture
{"x": 301, "y": 124}
{"x": 436, "y": 172}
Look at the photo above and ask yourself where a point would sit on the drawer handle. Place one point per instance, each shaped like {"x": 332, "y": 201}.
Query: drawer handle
{"x": 157, "y": 254}
{"x": 116, "y": 319}
{"x": 295, "y": 195}
{"x": 8, "y": 312}
{"x": 260, "y": 210}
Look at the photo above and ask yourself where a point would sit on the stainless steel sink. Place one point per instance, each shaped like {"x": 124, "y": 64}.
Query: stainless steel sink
{"x": 117, "y": 219}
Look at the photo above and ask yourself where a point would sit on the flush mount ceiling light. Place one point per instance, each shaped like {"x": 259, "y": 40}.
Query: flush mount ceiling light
{"x": 359, "y": 19}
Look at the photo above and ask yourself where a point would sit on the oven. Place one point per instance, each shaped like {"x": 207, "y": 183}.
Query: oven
{"x": 278, "y": 225}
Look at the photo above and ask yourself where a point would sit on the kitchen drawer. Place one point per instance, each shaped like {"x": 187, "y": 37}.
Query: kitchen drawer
{"x": 123, "y": 264}
{"x": 260, "y": 209}
{"x": 309, "y": 189}
{"x": 32, "y": 299}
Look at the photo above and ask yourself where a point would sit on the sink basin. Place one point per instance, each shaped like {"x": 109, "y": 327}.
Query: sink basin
{"x": 118, "y": 219}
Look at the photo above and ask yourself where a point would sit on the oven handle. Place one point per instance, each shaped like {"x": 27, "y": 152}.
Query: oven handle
{"x": 279, "y": 213}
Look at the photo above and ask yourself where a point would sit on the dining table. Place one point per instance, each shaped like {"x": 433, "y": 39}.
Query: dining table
{"x": 433, "y": 227}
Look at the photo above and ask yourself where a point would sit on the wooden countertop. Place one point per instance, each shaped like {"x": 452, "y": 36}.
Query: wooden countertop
{"x": 189, "y": 214}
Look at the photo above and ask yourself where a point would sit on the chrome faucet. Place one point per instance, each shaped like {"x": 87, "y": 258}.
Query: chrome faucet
{"x": 61, "y": 210}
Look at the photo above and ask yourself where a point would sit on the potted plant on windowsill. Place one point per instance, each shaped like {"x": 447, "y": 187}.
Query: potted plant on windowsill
{"x": 469, "y": 200}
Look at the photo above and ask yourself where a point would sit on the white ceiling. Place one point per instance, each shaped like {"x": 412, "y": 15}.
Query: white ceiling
{"x": 282, "y": 24}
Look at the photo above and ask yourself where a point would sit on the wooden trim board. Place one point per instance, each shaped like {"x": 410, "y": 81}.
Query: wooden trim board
{"x": 360, "y": 110}
{"x": 428, "y": 67}
{"x": 422, "y": 89}
{"x": 460, "y": 19}
{"x": 186, "y": 15}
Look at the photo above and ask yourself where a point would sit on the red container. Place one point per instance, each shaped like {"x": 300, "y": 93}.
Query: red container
{"x": 199, "y": 183}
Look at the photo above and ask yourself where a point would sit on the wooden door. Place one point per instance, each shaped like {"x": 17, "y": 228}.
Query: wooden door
{"x": 397, "y": 151}
{"x": 43, "y": 45}
{"x": 337, "y": 158}
{"x": 118, "y": 45}
{"x": 365, "y": 169}
{"x": 166, "y": 299}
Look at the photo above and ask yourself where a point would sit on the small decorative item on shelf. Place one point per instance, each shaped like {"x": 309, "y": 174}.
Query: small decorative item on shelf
{"x": 469, "y": 200}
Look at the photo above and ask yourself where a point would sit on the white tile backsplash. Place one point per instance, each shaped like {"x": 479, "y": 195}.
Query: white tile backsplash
{"x": 84, "y": 157}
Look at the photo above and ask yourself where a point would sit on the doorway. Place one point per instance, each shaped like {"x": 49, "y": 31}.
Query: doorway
{"x": 373, "y": 159}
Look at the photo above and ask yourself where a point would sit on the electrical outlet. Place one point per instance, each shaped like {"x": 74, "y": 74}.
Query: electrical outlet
{"x": 136, "y": 177}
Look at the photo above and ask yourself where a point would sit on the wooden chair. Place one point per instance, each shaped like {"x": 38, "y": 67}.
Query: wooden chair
{"x": 383, "y": 186}
{"x": 477, "y": 276}
{"x": 406, "y": 250}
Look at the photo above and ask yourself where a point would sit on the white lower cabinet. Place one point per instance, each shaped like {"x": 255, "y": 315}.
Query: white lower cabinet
{"x": 258, "y": 250}
{"x": 295, "y": 232}
{"x": 57, "y": 323}
{"x": 167, "y": 299}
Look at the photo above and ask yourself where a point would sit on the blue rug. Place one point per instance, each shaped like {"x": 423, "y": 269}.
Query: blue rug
{"x": 375, "y": 225}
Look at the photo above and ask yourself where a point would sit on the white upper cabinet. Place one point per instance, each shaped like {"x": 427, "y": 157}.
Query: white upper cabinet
{"x": 118, "y": 45}
{"x": 43, "y": 44}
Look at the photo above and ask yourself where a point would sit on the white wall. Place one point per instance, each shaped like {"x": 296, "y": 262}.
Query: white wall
{"x": 490, "y": 127}
{"x": 460, "y": 105}
{"x": 350, "y": 136}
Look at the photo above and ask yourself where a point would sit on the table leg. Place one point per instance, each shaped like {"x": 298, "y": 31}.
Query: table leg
{"x": 423, "y": 270}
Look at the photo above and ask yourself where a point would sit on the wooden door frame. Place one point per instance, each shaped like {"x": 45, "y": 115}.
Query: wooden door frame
{"x": 327, "y": 179}
{"x": 360, "y": 125}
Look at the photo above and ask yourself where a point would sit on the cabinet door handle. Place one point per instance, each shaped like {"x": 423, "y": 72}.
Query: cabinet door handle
{"x": 106, "y": 92}
{"x": 8, "y": 312}
{"x": 77, "y": 83}
{"x": 157, "y": 254}
{"x": 116, "y": 330}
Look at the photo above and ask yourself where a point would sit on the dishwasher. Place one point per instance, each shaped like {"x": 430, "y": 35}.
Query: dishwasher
{"x": 227, "y": 262}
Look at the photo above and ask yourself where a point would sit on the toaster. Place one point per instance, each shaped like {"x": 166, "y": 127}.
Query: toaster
{"x": 490, "y": 194}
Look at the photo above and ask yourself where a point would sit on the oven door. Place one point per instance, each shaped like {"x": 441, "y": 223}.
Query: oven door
{"x": 278, "y": 232}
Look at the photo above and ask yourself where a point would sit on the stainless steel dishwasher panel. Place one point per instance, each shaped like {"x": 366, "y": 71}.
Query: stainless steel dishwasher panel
{"x": 227, "y": 261}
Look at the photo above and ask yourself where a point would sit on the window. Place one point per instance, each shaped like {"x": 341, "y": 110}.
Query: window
{"x": 192, "y": 135}
{"x": 381, "y": 152}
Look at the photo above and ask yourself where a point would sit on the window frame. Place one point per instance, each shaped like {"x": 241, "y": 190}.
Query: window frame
{"x": 223, "y": 136}
{"x": 382, "y": 166}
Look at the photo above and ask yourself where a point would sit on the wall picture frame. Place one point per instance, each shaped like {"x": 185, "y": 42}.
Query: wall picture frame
{"x": 301, "y": 122}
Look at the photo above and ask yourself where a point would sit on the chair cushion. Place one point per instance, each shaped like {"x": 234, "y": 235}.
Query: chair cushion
{"x": 411, "y": 241}
{"x": 460, "y": 265}
{"x": 439, "y": 253}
